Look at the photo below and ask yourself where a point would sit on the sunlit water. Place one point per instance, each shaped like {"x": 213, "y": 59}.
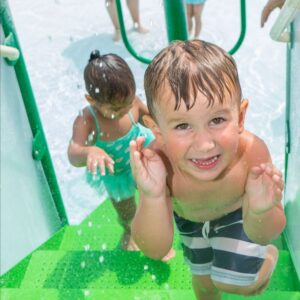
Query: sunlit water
{"x": 57, "y": 37}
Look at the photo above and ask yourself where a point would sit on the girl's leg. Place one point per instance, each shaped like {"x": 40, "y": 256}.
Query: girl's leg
{"x": 198, "y": 9}
{"x": 111, "y": 8}
{"x": 126, "y": 210}
{"x": 189, "y": 12}
{"x": 204, "y": 288}
{"x": 133, "y": 6}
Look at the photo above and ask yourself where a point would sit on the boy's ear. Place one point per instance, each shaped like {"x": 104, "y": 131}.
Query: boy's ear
{"x": 242, "y": 114}
{"x": 152, "y": 125}
{"x": 90, "y": 99}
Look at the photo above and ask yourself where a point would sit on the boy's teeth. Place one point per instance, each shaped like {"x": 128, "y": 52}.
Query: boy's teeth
{"x": 205, "y": 161}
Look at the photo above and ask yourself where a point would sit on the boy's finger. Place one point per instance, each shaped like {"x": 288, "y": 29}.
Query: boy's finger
{"x": 255, "y": 172}
{"x": 137, "y": 161}
{"x": 140, "y": 142}
{"x": 278, "y": 181}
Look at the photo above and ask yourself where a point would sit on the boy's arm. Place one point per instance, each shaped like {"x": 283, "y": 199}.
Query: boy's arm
{"x": 152, "y": 226}
{"x": 263, "y": 214}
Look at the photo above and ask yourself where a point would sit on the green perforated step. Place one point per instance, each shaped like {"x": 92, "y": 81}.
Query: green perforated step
{"x": 86, "y": 262}
{"x": 109, "y": 294}
{"x": 119, "y": 269}
{"x": 106, "y": 269}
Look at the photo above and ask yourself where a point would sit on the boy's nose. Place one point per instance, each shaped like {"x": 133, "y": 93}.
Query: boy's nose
{"x": 204, "y": 143}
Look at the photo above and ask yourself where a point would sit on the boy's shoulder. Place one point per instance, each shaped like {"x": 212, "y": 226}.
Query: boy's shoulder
{"x": 254, "y": 149}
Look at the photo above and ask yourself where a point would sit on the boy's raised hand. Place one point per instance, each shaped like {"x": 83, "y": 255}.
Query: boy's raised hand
{"x": 148, "y": 169}
{"x": 264, "y": 188}
{"x": 96, "y": 157}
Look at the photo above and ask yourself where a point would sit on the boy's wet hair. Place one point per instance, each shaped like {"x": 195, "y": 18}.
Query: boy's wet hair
{"x": 108, "y": 79}
{"x": 190, "y": 67}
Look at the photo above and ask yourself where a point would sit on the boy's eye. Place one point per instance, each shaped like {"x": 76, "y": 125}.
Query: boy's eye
{"x": 218, "y": 120}
{"x": 182, "y": 126}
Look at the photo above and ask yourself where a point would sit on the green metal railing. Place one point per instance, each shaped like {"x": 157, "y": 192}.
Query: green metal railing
{"x": 40, "y": 150}
{"x": 176, "y": 24}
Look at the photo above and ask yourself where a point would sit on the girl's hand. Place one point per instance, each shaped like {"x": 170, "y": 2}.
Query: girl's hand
{"x": 148, "y": 169}
{"x": 98, "y": 158}
{"x": 264, "y": 188}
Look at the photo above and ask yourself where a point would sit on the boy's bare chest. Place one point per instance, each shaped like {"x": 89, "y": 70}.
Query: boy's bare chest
{"x": 208, "y": 200}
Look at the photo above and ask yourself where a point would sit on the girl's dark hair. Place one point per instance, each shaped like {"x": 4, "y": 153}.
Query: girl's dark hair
{"x": 108, "y": 78}
{"x": 190, "y": 67}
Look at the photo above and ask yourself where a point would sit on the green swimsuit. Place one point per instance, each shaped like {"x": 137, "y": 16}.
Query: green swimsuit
{"x": 121, "y": 184}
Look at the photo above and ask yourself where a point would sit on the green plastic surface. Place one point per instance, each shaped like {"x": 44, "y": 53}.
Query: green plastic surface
{"x": 86, "y": 262}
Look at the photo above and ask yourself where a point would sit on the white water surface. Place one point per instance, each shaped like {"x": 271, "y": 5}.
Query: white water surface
{"x": 57, "y": 37}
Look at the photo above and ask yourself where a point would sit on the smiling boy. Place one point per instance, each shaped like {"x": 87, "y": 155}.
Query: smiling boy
{"x": 206, "y": 170}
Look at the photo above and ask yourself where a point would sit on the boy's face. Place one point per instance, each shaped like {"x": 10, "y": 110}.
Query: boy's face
{"x": 203, "y": 141}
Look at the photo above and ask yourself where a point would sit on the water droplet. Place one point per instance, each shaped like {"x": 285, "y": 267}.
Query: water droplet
{"x": 86, "y": 247}
{"x": 153, "y": 277}
{"x": 146, "y": 267}
{"x": 86, "y": 293}
{"x": 79, "y": 232}
{"x": 97, "y": 90}
{"x": 136, "y": 25}
{"x": 101, "y": 64}
{"x": 166, "y": 286}
{"x": 101, "y": 259}
{"x": 107, "y": 3}
{"x": 82, "y": 264}
{"x": 104, "y": 246}
{"x": 90, "y": 223}
{"x": 90, "y": 138}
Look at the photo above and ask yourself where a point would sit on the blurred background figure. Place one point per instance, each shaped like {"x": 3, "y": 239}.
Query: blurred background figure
{"x": 269, "y": 7}
{"x": 194, "y": 9}
{"x": 133, "y": 6}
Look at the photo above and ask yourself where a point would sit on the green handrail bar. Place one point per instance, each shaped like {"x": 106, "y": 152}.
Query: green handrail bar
{"x": 243, "y": 28}
{"x": 124, "y": 36}
{"x": 175, "y": 20}
{"x": 176, "y": 24}
{"x": 40, "y": 149}
{"x": 288, "y": 102}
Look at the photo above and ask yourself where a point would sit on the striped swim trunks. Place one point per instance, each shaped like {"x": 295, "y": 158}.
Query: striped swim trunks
{"x": 221, "y": 249}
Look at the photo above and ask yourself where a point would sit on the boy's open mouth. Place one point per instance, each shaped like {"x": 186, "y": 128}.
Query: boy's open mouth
{"x": 207, "y": 163}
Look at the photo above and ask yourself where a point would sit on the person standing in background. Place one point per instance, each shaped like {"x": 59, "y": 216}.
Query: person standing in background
{"x": 133, "y": 6}
{"x": 194, "y": 9}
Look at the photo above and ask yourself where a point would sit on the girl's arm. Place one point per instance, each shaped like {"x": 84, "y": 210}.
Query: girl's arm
{"x": 79, "y": 144}
{"x": 142, "y": 109}
{"x": 81, "y": 151}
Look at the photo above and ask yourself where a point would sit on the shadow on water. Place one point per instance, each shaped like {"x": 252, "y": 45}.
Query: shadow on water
{"x": 79, "y": 51}
{"x": 104, "y": 270}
